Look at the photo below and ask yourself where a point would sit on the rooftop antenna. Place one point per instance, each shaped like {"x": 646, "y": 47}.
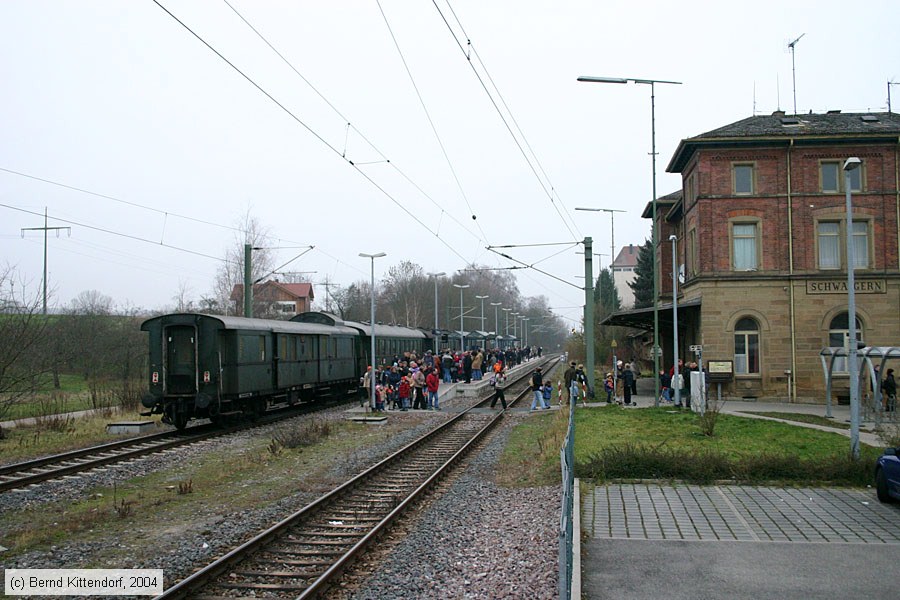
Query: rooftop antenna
{"x": 778, "y": 91}
{"x": 889, "y": 84}
{"x": 794, "y": 69}
{"x": 754, "y": 98}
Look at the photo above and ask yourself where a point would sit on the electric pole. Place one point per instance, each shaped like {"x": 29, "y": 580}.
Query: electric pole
{"x": 45, "y": 229}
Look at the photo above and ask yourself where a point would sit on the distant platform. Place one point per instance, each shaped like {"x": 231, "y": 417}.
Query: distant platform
{"x": 130, "y": 427}
{"x": 376, "y": 419}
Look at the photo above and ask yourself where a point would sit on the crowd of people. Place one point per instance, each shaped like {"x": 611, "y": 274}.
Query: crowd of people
{"x": 412, "y": 381}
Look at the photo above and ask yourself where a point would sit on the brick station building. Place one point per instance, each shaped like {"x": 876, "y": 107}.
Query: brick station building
{"x": 760, "y": 223}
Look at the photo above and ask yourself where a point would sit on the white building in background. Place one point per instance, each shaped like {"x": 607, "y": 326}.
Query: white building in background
{"x": 624, "y": 273}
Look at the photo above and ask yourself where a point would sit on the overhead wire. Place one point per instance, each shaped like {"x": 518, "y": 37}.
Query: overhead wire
{"x": 350, "y": 125}
{"x": 499, "y": 111}
{"x": 114, "y": 199}
{"x": 424, "y": 106}
{"x": 166, "y": 213}
{"x": 309, "y": 129}
{"x": 117, "y": 233}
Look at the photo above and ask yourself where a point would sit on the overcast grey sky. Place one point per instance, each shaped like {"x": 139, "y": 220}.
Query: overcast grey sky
{"x": 117, "y": 98}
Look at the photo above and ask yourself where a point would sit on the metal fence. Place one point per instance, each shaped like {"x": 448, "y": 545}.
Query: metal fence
{"x": 566, "y": 517}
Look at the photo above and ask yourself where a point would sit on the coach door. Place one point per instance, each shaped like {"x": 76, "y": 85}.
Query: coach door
{"x": 181, "y": 359}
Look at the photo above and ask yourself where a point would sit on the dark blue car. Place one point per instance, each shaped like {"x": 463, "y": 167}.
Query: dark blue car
{"x": 887, "y": 475}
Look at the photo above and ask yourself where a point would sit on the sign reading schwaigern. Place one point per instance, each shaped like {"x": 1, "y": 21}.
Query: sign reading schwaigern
{"x": 837, "y": 286}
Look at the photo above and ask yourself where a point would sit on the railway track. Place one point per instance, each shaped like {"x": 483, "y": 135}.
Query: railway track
{"x": 28, "y": 473}
{"x": 305, "y": 553}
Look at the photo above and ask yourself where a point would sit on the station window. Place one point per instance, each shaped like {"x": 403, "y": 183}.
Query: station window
{"x": 742, "y": 175}
{"x": 745, "y": 246}
{"x": 746, "y": 347}
{"x": 831, "y": 247}
{"x": 829, "y": 177}
{"x": 839, "y": 335}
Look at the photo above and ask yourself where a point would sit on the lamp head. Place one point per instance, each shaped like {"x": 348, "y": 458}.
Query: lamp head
{"x": 590, "y": 79}
{"x": 673, "y": 237}
{"x": 852, "y": 163}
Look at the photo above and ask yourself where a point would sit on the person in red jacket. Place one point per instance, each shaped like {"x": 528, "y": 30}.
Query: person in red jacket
{"x": 404, "y": 393}
{"x": 432, "y": 383}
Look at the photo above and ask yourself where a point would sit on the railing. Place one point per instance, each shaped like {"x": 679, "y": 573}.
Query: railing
{"x": 566, "y": 518}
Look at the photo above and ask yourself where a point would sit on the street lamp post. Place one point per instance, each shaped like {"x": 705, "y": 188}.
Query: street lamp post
{"x": 462, "y": 336}
{"x": 676, "y": 371}
{"x": 506, "y": 310}
{"x": 372, "y": 257}
{"x": 482, "y": 298}
{"x": 654, "y": 229}
{"x": 515, "y": 316}
{"x": 849, "y": 165}
{"x": 436, "y": 275}
{"x": 525, "y": 329}
{"x": 496, "y": 321}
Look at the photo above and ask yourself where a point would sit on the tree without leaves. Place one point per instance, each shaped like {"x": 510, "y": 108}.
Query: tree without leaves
{"x": 405, "y": 293}
{"x": 22, "y": 330}
{"x": 231, "y": 272}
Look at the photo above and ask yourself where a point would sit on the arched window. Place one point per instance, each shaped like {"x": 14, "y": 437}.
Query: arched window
{"x": 746, "y": 347}
{"x": 838, "y": 334}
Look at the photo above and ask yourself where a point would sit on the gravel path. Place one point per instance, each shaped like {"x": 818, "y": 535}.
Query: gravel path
{"x": 475, "y": 540}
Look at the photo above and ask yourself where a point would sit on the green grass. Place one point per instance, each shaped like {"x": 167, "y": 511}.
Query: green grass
{"x": 58, "y": 435}
{"x": 67, "y": 383}
{"x": 664, "y": 443}
{"x": 75, "y": 393}
{"x": 48, "y": 403}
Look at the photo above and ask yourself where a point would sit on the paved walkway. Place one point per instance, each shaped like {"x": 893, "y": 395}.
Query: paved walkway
{"x": 655, "y": 540}
{"x": 738, "y": 513}
{"x": 651, "y": 541}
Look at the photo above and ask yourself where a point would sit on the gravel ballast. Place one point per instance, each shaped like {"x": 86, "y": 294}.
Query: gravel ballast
{"x": 472, "y": 540}
{"x": 475, "y": 540}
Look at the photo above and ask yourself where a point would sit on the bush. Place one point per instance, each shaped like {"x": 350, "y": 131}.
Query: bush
{"x": 890, "y": 435}
{"x": 709, "y": 417}
{"x": 638, "y": 461}
{"x": 305, "y": 433}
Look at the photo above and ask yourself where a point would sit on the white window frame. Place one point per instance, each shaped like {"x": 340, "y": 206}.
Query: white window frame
{"x": 757, "y": 243}
{"x": 862, "y": 240}
{"x": 840, "y": 362}
{"x": 742, "y": 361}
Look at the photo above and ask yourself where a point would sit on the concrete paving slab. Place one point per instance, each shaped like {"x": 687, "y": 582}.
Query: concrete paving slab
{"x": 651, "y": 540}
